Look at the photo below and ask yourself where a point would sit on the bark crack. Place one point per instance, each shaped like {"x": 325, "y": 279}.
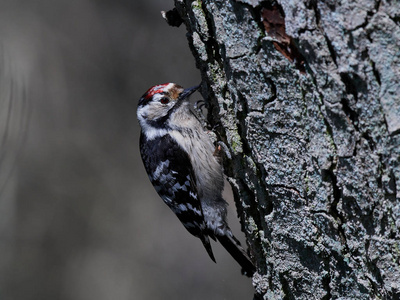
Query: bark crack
{"x": 326, "y": 281}
{"x": 290, "y": 188}
{"x": 329, "y": 176}
{"x": 333, "y": 210}
{"x": 374, "y": 270}
{"x": 331, "y": 49}
{"x": 313, "y": 4}
{"x": 285, "y": 286}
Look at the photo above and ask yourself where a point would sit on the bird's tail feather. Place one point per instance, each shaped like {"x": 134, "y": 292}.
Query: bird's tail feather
{"x": 232, "y": 245}
{"x": 206, "y": 242}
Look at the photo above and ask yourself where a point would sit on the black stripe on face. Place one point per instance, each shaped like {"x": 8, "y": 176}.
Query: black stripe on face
{"x": 160, "y": 123}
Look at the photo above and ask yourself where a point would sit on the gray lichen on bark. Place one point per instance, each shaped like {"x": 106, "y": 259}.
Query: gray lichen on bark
{"x": 315, "y": 165}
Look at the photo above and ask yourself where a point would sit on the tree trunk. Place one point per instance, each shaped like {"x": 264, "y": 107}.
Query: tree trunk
{"x": 307, "y": 98}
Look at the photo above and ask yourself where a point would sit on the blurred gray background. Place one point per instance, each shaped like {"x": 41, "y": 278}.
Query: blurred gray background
{"x": 79, "y": 218}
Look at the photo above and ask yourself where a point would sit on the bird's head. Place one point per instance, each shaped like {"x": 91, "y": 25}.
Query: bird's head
{"x": 157, "y": 104}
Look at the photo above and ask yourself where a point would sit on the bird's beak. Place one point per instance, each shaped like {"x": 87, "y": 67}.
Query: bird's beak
{"x": 187, "y": 92}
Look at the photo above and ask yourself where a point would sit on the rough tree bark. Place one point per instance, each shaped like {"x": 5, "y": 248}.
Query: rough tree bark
{"x": 307, "y": 95}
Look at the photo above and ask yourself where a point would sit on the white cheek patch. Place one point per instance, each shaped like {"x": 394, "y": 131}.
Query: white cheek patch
{"x": 154, "y": 109}
{"x": 150, "y": 131}
{"x": 157, "y": 97}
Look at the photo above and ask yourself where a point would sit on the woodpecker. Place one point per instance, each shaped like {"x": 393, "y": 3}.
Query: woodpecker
{"x": 178, "y": 156}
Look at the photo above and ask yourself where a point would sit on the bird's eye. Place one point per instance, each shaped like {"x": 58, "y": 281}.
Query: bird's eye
{"x": 164, "y": 100}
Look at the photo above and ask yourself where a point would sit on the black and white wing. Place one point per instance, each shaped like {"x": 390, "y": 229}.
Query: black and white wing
{"x": 171, "y": 173}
